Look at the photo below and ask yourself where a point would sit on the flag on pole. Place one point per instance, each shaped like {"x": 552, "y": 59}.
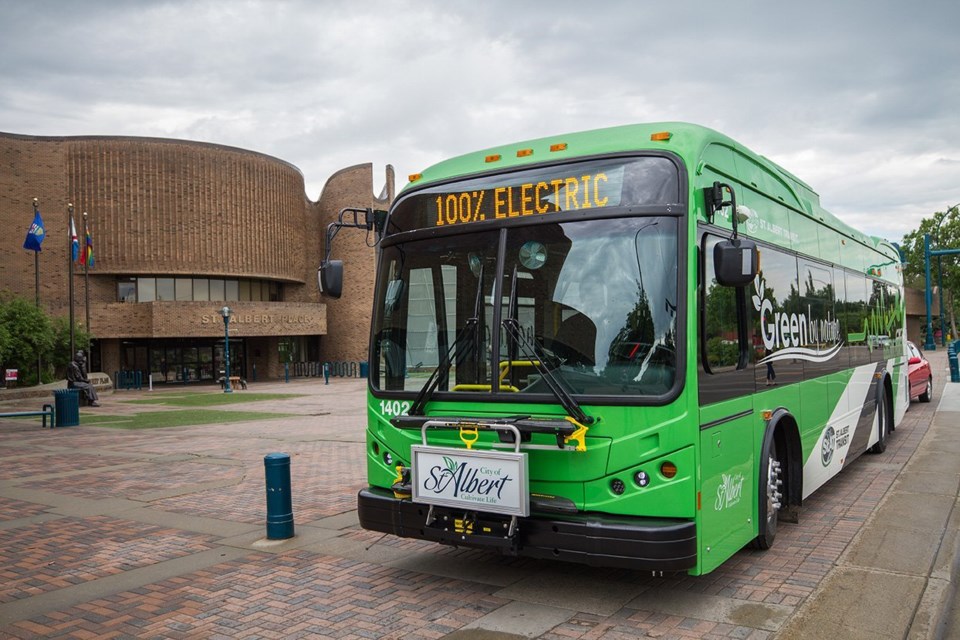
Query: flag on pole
{"x": 35, "y": 234}
{"x": 87, "y": 257}
{"x": 74, "y": 241}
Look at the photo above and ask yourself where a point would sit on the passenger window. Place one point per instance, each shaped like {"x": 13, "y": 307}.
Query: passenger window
{"x": 720, "y": 336}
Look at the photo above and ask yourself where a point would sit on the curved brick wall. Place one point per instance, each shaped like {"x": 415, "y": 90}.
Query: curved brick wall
{"x": 171, "y": 207}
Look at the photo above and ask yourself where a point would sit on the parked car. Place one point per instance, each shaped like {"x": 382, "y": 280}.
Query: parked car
{"x": 920, "y": 374}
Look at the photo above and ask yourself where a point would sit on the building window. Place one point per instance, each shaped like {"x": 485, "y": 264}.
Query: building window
{"x": 165, "y": 289}
{"x": 216, "y": 290}
{"x": 184, "y": 289}
{"x": 201, "y": 289}
{"x": 127, "y": 290}
{"x": 148, "y": 289}
{"x": 232, "y": 290}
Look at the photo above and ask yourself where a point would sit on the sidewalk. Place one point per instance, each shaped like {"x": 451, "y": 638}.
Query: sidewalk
{"x": 899, "y": 577}
{"x": 160, "y": 533}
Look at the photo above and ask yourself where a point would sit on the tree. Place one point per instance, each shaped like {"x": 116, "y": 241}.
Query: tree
{"x": 946, "y": 237}
{"x": 29, "y": 336}
{"x": 61, "y": 355}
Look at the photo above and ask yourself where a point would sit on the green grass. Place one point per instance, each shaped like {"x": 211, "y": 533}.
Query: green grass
{"x": 202, "y": 399}
{"x": 161, "y": 419}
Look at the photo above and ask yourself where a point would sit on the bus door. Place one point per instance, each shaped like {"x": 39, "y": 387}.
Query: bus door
{"x": 729, "y": 434}
{"x": 727, "y": 483}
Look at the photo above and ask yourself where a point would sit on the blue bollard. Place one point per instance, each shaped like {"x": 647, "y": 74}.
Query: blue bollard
{"x": 326, "y": 373}
{"x": 276, "y": 467}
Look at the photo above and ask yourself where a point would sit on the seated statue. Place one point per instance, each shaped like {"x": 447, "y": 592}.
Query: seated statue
{"x": 77, "y": 379}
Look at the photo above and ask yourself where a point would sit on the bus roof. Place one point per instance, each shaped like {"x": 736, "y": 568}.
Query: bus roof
{"x": 687, "y": 140}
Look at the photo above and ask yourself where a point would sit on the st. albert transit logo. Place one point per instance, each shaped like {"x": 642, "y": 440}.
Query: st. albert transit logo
{"x": 794, "y": 336}
{"x": 827, "y": 446}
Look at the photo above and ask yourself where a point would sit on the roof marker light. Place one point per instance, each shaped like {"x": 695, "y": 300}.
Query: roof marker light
{"x": 661, "y": 135}
{"x": 492, "y": 158}
{"x": 560, "y": 146}
{"x": 523, "y": 153}
{"x": 413, "y": 177}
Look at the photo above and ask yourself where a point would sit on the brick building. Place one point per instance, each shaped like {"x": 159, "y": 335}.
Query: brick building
{"x": 181, "y": 229}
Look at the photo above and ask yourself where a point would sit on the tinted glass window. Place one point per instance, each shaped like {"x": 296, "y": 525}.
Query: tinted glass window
{"x": 720, "y": 335}
{"x": 777, "y": 310}
{"x": 165, "y": 289}
{"x": 552, "y": 190}
{"x": 146, "y": 289}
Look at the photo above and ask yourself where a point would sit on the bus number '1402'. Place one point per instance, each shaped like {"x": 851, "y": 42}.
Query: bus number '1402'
{"x": 394, "y": 407}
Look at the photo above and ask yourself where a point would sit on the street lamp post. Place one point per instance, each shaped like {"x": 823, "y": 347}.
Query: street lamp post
{"x": 226, "y": 313}
{"x": 936, "y": 233}
{"x": 930, "y": 344}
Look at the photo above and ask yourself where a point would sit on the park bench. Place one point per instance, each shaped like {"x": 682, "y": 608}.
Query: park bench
{"x": 46, "y": 412}
{"x": 236, "y": 382}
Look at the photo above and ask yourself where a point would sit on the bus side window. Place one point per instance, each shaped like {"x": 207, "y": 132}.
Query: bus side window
{"x": 723, "y": 318}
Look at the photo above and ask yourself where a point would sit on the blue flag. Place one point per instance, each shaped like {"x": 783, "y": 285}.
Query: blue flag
{"x": 74, "y": 242}
{"x": 36, "y": 234}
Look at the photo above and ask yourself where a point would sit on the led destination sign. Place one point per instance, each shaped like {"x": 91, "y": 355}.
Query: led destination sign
{"x": 526, "y": 199}
{"x": 543, "y": 191}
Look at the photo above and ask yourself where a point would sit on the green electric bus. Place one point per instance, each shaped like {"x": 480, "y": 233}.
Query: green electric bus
{"x": 640, "y": 347}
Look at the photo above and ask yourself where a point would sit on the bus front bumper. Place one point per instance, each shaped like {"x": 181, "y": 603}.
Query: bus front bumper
{"x": 640, "y": 543}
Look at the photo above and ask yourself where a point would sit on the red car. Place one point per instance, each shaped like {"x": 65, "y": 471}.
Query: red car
{"x": 920, "y": 374}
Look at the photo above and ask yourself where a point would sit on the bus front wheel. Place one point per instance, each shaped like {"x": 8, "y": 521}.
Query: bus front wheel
{"x": 771, "y": 499}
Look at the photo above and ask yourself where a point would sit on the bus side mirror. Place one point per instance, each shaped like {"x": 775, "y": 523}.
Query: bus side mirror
{"x": 736, "y": 262}
{"x": 330, "y": 278}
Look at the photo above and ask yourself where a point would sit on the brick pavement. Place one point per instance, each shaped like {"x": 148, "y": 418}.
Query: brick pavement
{"x": 158, "y": 534}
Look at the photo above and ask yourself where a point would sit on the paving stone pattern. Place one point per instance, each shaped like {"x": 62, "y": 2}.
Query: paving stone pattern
{"x": 154, "y": 496}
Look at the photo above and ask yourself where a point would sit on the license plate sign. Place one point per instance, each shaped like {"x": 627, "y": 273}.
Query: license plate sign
{"x": 489, "y": 481}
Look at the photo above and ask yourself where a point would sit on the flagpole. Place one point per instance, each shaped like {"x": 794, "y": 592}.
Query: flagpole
{"x": 70, "y": 228}
{"x": 36, "y": 273}
{"x": 36, "y": 254}
{"x": 86, "y": 279}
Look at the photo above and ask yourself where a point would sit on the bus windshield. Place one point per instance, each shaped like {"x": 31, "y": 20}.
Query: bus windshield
{"x": 594, "y": 302}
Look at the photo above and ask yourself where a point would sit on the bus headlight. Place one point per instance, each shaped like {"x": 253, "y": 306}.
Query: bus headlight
{"x": 641, "y": 478}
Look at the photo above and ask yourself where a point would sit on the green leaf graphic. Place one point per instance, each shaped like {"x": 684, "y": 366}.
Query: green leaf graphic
{"x": 451, "y": 465}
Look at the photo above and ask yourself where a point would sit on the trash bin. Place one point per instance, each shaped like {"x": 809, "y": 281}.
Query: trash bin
{"x": 66, "y": 404}
{"x": 364, "y": 369}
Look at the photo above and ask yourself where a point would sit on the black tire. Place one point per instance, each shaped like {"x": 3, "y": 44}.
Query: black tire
{"x": 927, "y": 394}
{"x": 883, "y": 424}
{"x": 770, "y": 499}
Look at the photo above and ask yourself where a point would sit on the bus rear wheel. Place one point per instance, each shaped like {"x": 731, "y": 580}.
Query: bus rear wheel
{"x": 771, "y": 499}
{"x": 883, "y": 425}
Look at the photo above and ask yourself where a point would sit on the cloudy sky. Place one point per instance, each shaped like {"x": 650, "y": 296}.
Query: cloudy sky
{"x": 860, "y": 98}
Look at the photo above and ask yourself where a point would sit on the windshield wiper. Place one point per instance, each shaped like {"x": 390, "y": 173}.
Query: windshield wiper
{"x": 512, "y": 327}
{"x": 467, "y": 335}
